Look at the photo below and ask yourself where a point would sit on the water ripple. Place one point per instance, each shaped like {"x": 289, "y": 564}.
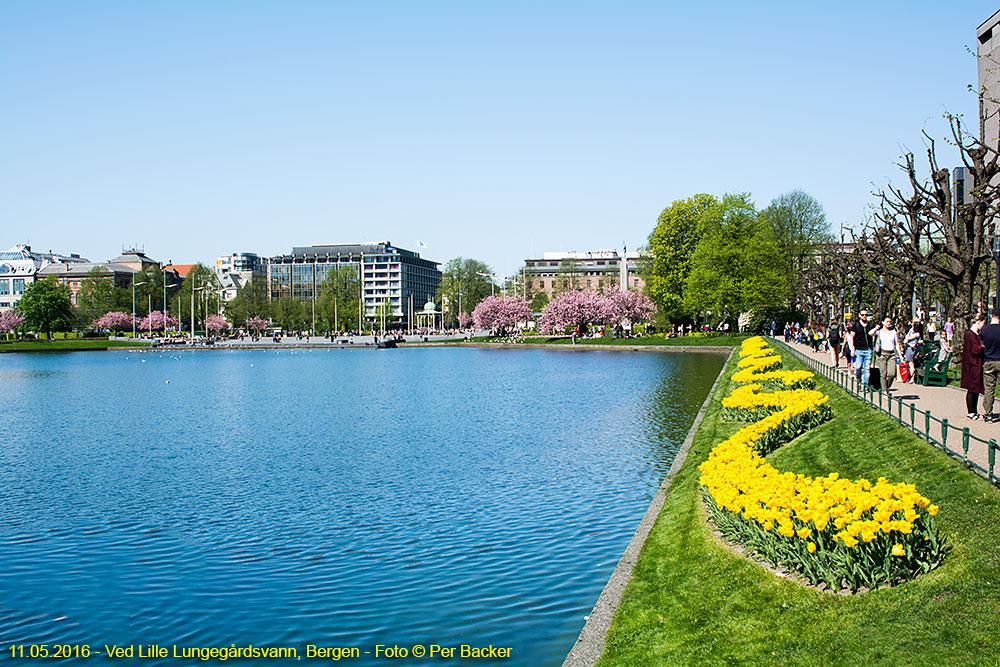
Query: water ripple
{"x": 445, "y": 496}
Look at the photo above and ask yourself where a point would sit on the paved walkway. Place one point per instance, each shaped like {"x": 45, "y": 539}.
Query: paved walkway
{"x": 944, "y": 403}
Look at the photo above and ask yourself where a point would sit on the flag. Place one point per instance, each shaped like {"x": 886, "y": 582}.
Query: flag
{"x": 421, "y": 244}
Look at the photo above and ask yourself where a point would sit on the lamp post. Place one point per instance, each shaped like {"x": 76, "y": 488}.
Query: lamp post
{"x": 923, "y": 297}
{"x": 193, "y": 290}
{"x": 881, "y": 298}
{"x": 492, "y": 277}
{"x": 166, "y": 311}
{"x": 134, "y": 285}
{"x": 164, "y": 269}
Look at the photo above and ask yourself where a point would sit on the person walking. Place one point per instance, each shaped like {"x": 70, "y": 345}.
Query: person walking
{"x": 972, "y": 367}
{"x": 990, "y": 336}
{"x": 911, "y": 343}
{"x": 860, "y": 340}
{"x": 833, "y": 337}
{"x": 889, "y": 350}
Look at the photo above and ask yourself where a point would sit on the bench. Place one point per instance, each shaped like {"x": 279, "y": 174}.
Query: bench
{"x": 934, "y": 373}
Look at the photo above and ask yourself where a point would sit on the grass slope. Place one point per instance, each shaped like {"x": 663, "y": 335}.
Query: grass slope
{"x": 692, "y": 601}
{"x": 68, "y": 345}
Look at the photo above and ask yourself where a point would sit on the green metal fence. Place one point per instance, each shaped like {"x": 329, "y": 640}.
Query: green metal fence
{"x": 936, "y": 431}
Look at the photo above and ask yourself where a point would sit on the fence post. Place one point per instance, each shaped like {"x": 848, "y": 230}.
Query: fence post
{"x": 899, "y": 410}
{"x": 927, "y": 425}
{"x": 913, "y": 414}
{"x": 965, "y": 444}
{"x": 992, "y": 457}
{"x": 944, "y": 433}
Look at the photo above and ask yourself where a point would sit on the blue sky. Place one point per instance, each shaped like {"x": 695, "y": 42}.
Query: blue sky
{"x": 493, "y": 130}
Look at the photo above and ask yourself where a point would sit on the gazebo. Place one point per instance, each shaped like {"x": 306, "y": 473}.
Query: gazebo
{"x": 428, "y": 317}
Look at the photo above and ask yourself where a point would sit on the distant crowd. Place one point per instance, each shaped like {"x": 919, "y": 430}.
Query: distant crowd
{"x": 876, "y": 353}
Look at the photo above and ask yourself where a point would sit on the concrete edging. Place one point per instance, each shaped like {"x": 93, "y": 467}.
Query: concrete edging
{"x": 590, "y": 644}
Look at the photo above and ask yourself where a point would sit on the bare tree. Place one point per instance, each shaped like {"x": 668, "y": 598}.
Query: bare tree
{"x": 923, "y": 230}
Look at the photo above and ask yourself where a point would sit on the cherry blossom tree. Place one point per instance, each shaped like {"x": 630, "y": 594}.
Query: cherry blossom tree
{"x": 498, "y": 313}
{"x": 576, "y": 309}
{"x": 154, "y": 321}
{"x": 115, "y": 320}
{"x": 580, "y": 309}
{"x": 10, "y": 321}
{"x": 216, "y": 323}
{"x": 464, "y": 319}
{"x": 629, "y": 305}
{"x": 257, "y": 324}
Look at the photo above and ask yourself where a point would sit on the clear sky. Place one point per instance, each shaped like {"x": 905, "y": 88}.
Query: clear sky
{"x": 492, "y": 130}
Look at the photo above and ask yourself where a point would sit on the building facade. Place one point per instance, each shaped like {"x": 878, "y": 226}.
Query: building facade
{"x": 20, "y": 266}
{"x": 557, "y": 272}
{"x": 237, "y": 270}
{"x": 988, "y": 58}
{"x": 394, "y": 281}
{"x": 73, "y": 274}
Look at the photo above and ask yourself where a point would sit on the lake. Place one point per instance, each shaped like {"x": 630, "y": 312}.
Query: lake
{"x": 346, "y": 498}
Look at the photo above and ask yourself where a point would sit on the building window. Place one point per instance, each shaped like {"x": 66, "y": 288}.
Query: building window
{"x": 636, "y": 282}
{"x": 18, "y": 286}
{"x": 4, "y": 287}
{"x": 588, "y": 283}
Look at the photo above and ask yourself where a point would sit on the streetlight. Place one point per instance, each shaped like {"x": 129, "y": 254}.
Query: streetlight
{"x": 134, "y": 285}
{"x": 881, "y": 298}
{"x": 193, "y": 290}
{"x": 166, "y": 311}
{"x": 923, "y": 296}
{"x": 492, "y": 277}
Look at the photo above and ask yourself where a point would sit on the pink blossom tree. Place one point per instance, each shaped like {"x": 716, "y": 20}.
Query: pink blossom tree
{"x": 155, "y": 321}
{"x": 635, "y": 307}
{"x": 464, "y": 319}
{"x": 115, "y": 320}
{"x": 576, "y": 309}
{"x": 10, "y": 321}
{"x": 257, "y": 324}
{"x": 216, "y": 323}
{"x": 499, "y": 313}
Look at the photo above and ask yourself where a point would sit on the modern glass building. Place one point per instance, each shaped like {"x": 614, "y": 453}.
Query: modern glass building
{"x": 399, "y": 280}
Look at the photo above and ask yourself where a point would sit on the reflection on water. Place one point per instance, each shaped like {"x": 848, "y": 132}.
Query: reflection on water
{"x": 346, "y": 498}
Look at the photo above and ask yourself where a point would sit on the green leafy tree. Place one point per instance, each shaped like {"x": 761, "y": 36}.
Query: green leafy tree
{"x": 46, "y": 306}
{"x": 206, "y": 288}
{"x": 340, "y": 300}
{"x": 671, "y": 246}
{"x": 250, "y": 301}
{"x": 462, "y": 287}
{"x": 96, "y": 295}
{"x": 800, "y": 230}
{"x": 737, "y": 264}
{"x": 291, "y": 314}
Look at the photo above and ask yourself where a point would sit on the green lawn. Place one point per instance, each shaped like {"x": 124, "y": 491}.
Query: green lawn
{"x": 68, "y": 345}
{"x": 692, "y": 601}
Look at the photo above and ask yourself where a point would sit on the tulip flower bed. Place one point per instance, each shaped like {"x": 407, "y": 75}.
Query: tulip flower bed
{"x": 828, "y": 530}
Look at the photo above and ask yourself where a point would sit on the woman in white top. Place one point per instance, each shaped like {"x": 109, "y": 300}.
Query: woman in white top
{"x": 888, "y": 347}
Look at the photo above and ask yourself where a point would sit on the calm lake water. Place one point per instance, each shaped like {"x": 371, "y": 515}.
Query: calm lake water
{"x": 336, "y": 498}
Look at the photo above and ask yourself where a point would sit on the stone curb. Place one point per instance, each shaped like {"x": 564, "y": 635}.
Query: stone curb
{"x": 590, "y": 644}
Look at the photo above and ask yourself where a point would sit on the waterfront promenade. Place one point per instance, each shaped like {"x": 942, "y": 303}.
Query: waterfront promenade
{"x": 946, "y": 404}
